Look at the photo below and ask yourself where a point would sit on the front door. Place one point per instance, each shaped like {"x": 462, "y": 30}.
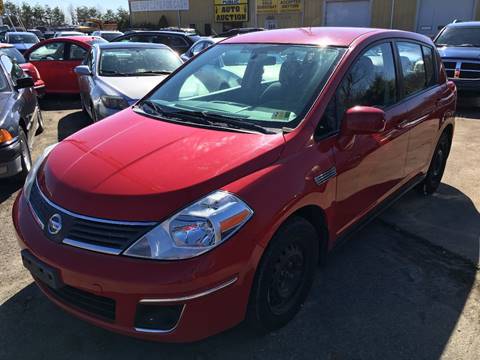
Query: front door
{"x": 75, "y": 56}
{"x": 369, "y": 167}
{"x": 48, "y": 59}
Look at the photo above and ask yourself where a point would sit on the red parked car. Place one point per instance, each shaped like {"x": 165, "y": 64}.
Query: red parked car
{"x": 213, "y": 198}
{"x": 28, "y": 68}
{"x": 56, "y": 60}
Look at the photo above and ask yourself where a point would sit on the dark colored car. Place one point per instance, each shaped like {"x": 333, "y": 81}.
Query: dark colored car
{"x": 199, "y": 46}
{"x": 21, "y": 40}
{"x": 178, "y": 41}
{"x": 459, "y": 47}
{"x": 238, "y": 31}
{"x": 209, "y": 202}
{"x": 20, "y": 119}
{"x": 38, "y": 33}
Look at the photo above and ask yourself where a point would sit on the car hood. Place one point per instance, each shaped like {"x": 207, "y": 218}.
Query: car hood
{"x": 134, "y": 87}
{"x": 131, "y": 167}
{"x": 460, "y": 53}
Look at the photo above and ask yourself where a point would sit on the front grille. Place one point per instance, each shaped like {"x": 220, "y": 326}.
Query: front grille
{"x": 99, "y": 235}
{"x": 99, "y": 306}
{"x": 468, "y": 69}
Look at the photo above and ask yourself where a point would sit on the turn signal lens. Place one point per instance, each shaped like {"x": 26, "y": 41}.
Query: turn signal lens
{"x": 5, "y": 136}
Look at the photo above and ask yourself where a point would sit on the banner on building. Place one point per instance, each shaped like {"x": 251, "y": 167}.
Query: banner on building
{"x": 159, "y": 5}
{"x": 231, "y": 11}
{"x": 278, "y": 6}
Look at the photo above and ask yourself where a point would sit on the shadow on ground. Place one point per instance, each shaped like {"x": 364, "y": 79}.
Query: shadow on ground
{"x": 72, "y": 123}
{"x": 384, "y": 294}
{"x": 60, "y": 102}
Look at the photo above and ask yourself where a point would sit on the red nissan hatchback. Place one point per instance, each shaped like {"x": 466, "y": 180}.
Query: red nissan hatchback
{"x": 212, "y": 199}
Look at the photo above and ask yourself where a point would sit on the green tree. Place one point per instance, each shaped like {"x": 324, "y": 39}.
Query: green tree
{"x": 57, "y": 17}
{"x": 123, "y": 19}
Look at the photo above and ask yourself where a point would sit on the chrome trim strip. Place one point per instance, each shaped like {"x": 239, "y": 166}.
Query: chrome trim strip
{"x": 327, "y": 175}
{"x": 88, "y": 218}
{"x": 152, "y": 331}
{"x": 91, "y": 247}
{"x": 191, "y": 297}
{"x": 35, "y": 215}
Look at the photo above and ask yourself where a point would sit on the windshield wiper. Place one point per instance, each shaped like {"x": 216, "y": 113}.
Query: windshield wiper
{"x": 224, "y": 120}
{"x": 467, "y": 45}
{"x": 153, "y": 72}
{"x": 158, "y": 110}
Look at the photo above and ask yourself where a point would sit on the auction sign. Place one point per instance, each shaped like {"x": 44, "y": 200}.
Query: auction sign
{"x": 278, "y": 6}
{"x": 231, "y": 11}
{"x": 159, "y": 5}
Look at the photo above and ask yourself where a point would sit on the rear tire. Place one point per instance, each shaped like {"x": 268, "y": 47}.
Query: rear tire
{"x": 437, "y": 166}
{"x": 284, "y": 276}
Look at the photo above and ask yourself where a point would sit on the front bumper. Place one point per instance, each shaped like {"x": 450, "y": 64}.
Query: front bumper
{"x": 10, "y": 159}
{"x": 212, "y": 290}
{"x": 467, "y": 85}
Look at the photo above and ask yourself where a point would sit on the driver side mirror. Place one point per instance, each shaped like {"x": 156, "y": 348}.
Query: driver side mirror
{"x": 83, "y": 70}
{"x": 363, "y": 120}
{"x": 24, "y": 82}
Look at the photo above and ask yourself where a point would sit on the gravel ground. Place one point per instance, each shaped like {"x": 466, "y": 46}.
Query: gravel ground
{"x": 406, "y": 287}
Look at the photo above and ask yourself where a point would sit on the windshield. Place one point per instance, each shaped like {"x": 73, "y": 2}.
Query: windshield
{"x": 263, "y": 84}
{"x": 22, "y": 38}
{"x": 137, "y": 61}
{"x": 459, "y": 36}
{"x": 14, "y": 54}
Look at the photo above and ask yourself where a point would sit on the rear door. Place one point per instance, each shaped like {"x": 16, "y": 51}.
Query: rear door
{"x": 422, "y": 96}
{"x": 48, "y": 59}
{"x": 369, "y": 167}
{"x": 75, "y": 54}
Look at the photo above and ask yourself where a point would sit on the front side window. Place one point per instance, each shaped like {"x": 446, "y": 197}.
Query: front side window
{"x": 268, "y": 85}
{"x": 370, "y": 82}
{"x": 413, "y": 67}
{"x": 76, "y": 52}
{"x": 137, "y": 61}
{"x": 51, "y": 51}
{"x": 13, "y": 54}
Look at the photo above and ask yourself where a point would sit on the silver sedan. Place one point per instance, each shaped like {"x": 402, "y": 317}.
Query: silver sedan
{"x": 114, "y": 76}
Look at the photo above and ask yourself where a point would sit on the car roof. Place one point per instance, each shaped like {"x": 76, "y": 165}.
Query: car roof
{"x": 465, "y": 24}
{"x": 334, "y": 36}
{"x": 163, "y": 32}
{"x": 124, "y": 45}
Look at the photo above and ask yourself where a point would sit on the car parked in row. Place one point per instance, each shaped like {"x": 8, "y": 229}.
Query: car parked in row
{"x": 107, "y": 35}
{"x": 28, "y": 68}
{"x": 200, "y": 207}
{"x": 21, "y": 40}
{"x": 199, "y": 46}
{"x": 116, "y": 75}
{"x": 56, "y": 60}
{"x": 176, "y": 40}
{"x": 20, "y": 119}
{"x": 459, "y": 46}
{"x": 59, "y": 34}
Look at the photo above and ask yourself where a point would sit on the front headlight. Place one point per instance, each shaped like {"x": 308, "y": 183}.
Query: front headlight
{"x": 30, "y": 180}
{"x": 194, "y": 230}
{"x": 114, "y": 102}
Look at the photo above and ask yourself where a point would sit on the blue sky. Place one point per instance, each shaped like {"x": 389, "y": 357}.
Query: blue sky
{"x": 103, "y": 4}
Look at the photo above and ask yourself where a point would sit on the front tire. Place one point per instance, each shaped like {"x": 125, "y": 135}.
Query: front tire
{"x": 437, "y": 166}
{"x": 284, "y": 276}
{"x": 26, "y": 157}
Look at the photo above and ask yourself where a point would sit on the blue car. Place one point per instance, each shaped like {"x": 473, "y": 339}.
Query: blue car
{"x": 459, "y": 47}
{"x": 21, "y": 40}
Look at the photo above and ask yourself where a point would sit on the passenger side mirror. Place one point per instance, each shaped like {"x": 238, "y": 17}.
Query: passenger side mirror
{"x": 24, "y": 82}
{"x": 363, "y": 120}
{"x": 83, "y": 70}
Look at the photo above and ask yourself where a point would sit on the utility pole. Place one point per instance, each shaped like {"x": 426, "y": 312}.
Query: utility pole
{"x": 392, "y": 14}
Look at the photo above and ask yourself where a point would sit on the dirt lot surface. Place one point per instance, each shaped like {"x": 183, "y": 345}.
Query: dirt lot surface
{"x": 406, "y": 287}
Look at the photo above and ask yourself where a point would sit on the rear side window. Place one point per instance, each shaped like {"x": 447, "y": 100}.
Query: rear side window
{"x": 371, "y": 81}
{"x": 428, "y": 58}
{"x": 413, "y": 67}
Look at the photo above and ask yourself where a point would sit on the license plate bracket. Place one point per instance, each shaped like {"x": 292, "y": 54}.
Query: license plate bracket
{"x": 41, "y": 271}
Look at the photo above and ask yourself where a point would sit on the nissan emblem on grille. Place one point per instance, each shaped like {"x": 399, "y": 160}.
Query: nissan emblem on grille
{"x": 54, "y": 224}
